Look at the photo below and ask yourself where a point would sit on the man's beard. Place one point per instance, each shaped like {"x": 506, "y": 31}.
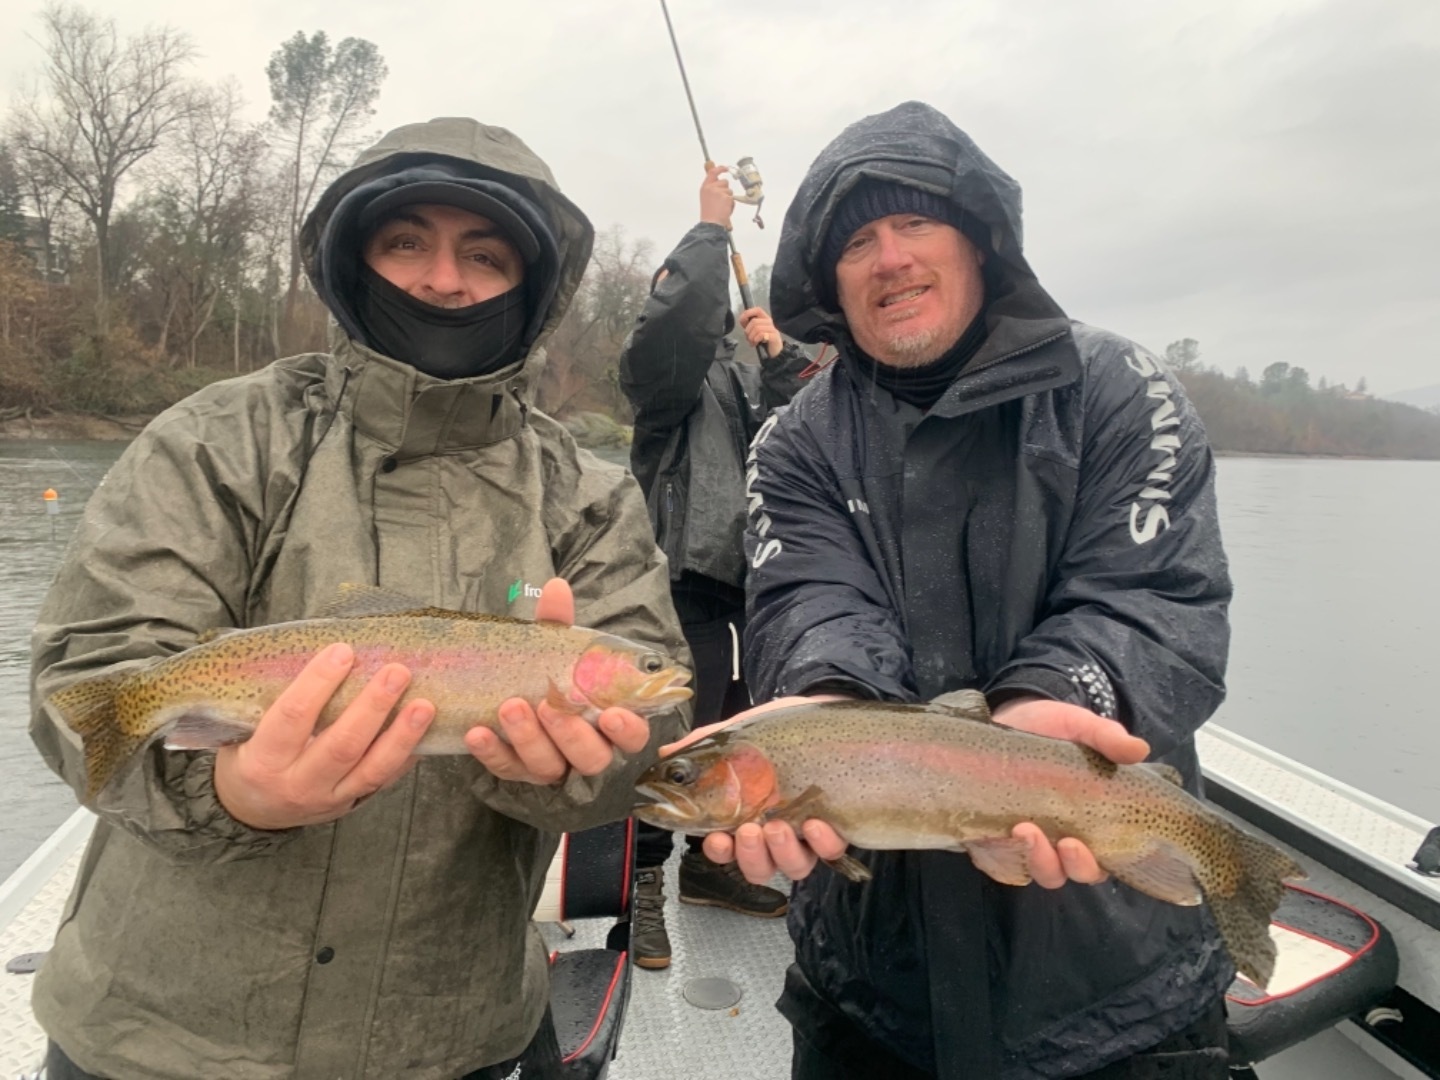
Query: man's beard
{"x": 916, "y": 348}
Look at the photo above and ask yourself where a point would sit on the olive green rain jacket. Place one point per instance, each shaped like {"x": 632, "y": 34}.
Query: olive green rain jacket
{"x": 396, "y": 941}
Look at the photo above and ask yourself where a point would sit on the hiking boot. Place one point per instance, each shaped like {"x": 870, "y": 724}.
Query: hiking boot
{"x": 723, "y": 885}
{"x": 649, "y": 943}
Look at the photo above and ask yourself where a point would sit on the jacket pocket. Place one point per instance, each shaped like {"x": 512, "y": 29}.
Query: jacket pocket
{"x": 671, "y": 513}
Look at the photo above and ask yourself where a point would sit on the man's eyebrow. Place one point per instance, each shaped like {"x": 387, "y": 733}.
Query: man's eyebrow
{"x": 420, "y": 221}
{"x": 485, "y": 234}
{"x": 409, "y": 217}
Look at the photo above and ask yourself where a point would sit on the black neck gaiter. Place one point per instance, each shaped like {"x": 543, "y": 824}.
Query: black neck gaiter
{"x": 923, "y": 386}
{"x": 448, "y": 343}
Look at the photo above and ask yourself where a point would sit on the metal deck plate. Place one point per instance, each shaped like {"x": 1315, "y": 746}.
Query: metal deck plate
{"x": 23, "y": 1047}
{"x": 664, "y": 1036}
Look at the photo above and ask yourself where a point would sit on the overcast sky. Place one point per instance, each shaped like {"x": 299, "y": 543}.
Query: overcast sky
{"x": 1260, "y": 175}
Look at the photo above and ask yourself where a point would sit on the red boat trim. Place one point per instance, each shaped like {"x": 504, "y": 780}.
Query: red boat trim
{"x": 1353, "y": 956}
{"x": 629, "y": 869}
{"x": 604, "y": 1009}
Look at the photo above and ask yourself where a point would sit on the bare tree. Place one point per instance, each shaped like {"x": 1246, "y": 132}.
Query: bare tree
{"x": 322, "y": 100}
{"x": 203, "y": 209}
{"x": 583, "y": 355}
{"x": 110, "y": 103}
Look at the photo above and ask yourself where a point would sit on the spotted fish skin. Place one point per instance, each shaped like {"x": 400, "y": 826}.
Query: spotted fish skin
{"x": 216, "y": 692}
{"x": 907, "y": 777}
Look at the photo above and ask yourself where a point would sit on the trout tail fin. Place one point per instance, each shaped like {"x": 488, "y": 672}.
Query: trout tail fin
{"x": 89, "y": 709}
{"x": 1240, "y": 877}
{"x": 1242, "y": 908}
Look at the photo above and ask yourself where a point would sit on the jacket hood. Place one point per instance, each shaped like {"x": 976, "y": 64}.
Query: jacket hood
{"x": 917, "y": 146}
{"x": 488, "y": 154}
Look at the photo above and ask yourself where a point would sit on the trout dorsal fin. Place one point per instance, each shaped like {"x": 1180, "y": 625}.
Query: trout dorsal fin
{"x": 961, "y": 704}
{"x": 354, "y": 600}
{"x": 1165, "y": 772}
{"x": 215, "y": 632}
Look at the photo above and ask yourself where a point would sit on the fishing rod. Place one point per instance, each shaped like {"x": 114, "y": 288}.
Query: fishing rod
{"x": 744, "y": 170}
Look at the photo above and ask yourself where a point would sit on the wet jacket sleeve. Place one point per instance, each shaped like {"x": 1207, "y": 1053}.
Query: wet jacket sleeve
{"x": 780, "y": 375}
{"x": 666, "y": 357}
{"x": 164, "y": 553}
{"x": 1135, "y": 624}
{"x": 602, "y": 545}
{"x": 818, "y": 614}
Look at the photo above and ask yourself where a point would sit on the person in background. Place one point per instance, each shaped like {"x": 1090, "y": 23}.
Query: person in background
{"x": 326, "y": 906}
{"x": 697, "y": 406}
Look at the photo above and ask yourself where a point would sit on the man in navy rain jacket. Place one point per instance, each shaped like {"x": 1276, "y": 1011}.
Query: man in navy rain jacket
{"x": 980, "y": 493}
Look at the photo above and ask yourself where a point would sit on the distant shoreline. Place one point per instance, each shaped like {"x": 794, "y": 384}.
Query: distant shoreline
{"x": 71, "y": 427}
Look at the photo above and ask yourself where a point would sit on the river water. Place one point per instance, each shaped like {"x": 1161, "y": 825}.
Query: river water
{"x": 1333, "y": 661}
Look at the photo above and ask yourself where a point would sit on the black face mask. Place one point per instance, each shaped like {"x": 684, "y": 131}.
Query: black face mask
{"x": 448, "y": 343}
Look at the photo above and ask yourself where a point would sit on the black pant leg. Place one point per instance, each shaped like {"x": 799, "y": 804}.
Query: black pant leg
{"x": 1199, "y": 1052}
{"x": 540, "y": 1061}
{"x": 652, "y": 845}
{"x": 60, "y": 1067}
{"x": 718, "y": 695}
{"x": 827, "y": 1045}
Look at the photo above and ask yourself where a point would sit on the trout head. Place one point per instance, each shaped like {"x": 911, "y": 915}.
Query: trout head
{"x": 716, "y": 785}
{"x": 615, "y": 672}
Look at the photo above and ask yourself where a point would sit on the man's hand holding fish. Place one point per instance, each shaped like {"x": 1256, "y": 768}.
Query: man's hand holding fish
{"x": 762, "y": 851}
{"x": 285, "y": 775}
{"x": 541, "y": 745}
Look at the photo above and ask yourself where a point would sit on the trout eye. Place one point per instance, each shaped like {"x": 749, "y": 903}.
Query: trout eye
{"x": 680, "y": 772}
{"x": 652, "y": 663}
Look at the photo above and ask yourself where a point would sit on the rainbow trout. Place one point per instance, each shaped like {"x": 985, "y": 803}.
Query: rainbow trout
{"x": 946, "y": 777}
{"x": 215, "y": 693}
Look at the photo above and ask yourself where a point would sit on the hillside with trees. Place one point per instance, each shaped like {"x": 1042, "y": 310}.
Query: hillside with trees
{"x": 1282, "y": 413}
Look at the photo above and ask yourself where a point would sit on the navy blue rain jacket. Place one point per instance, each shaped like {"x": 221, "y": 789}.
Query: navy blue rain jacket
{"x": 1049, "y": 526}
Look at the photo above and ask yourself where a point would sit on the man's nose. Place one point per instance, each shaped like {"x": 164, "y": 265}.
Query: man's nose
{"x": 444, "y": 277}
{"x": 890, "y": 253}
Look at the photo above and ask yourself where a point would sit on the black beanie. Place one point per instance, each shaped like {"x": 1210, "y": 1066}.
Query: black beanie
{"x": 872, "y": 199}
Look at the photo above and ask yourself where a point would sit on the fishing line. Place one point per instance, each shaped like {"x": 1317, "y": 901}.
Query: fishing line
{"x": 745, "y": 171}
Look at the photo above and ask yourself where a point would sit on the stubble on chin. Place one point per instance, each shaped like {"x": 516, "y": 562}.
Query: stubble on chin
{"x": 914, "y": 349}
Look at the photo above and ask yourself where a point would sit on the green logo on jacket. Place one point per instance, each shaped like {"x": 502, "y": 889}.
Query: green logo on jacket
{"x": 521, "y": 586}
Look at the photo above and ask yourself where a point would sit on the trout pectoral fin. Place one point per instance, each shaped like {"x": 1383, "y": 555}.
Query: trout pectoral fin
{"x": 810, "y": 803}
{"x": 556, "y": 699}
{"x": 203, "y": 729}
{"x": 850, "y": 867}
{"x": 1005, "y": 859}
{"x": 1157, "y": 869}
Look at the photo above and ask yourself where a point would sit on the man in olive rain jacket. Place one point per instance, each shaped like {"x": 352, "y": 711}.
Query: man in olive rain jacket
{"x": 217, "y": 928}
{"x": 979, "y": 493}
